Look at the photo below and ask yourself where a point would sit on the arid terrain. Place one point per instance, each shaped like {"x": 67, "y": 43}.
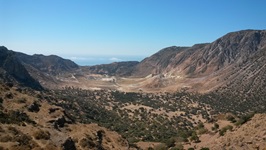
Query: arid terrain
{"x": 208, "y": 96}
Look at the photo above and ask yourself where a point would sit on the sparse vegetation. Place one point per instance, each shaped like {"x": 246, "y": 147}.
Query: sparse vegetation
{"x": 215, "y": 126}
{"x": 170, "y": 118}
{"x": 15, "y": 117}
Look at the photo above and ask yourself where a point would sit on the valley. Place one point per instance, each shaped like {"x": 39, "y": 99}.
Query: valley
{"x": 207, "y": 96}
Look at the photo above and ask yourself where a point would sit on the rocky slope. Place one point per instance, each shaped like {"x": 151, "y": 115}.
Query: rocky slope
{"x": 50, "y": 71}
{"x": 204, "y": 59}
{"x": 158, "y": 62}
{"x": 52, "y": 64}
{"x": 12, "y": 70}
{"x": 237, "y": 58}
{"x": 251, "y": 135}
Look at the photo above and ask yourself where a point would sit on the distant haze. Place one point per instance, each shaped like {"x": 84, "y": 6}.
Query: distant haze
{"x": 102, "y": 59}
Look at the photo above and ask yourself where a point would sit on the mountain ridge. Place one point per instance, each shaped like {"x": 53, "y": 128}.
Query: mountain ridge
{"x": 201, "y": 67}
{"x": 12, "y": 69}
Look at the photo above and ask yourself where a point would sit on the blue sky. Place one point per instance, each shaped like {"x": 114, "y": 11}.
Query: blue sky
{"x": 121, "y": 27}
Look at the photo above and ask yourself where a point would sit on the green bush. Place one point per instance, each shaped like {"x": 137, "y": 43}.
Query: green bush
{"x": 231, "y": 118}
{"x": 224, "y": 129}
{"x": 216, "y": 125}
{"x": 170, "y": 142}
{"x": 202, "y": 130}
{"x": 194, "y": 137}
{"x": 243, "y": 119}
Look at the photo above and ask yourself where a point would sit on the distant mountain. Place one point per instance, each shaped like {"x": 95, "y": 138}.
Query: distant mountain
{"x": 231, "y": 49}
{"x": 52, "y": 64}
{"x": 48, "y": 70}
{"x": 113, "y": 69}
{"x": 236, "y": 59}
{"x": 204, "y": 59}
{"x": 156, "y": 62}
{"x": 28, "y": 69}
{"x": 13, "y": 71}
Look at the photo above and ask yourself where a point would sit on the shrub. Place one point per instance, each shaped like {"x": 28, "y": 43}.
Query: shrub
{"x": 170, "y": 142}
{"x": 231, "y": 118}
{"x": 216, "y": 125}
{"x": 203, "y": 130}
{"x": 22, "y": 100}
{"x": 194, "y": 137}
{"x": 224, "y": 129}
{"x": 9, "y": 95}
{"x": 243, "y": 119}
{"x": 200, "y": 125}
{"x": 204, "y": 148}
{"x": 41, "y": 135}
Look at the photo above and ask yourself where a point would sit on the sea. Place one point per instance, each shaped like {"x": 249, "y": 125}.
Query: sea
{"x": 102, "y": 59}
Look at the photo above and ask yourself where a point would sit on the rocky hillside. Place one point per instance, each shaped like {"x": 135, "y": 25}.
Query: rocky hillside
{"x": 49, "y": 71}
{"x": 236, "y": 59}
{"x": 204, "y": 59}
{"x": 234, "y": 48}
{"x": 52, "y": 64}
{"x": 158, "y": 62}
{"x": 11, "y": 70}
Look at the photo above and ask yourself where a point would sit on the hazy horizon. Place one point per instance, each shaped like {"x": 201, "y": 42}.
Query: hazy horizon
{"x": 91, "y": 60}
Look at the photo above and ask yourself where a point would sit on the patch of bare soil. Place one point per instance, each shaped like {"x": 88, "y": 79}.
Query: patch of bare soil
{"x": 147, "y": 145}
